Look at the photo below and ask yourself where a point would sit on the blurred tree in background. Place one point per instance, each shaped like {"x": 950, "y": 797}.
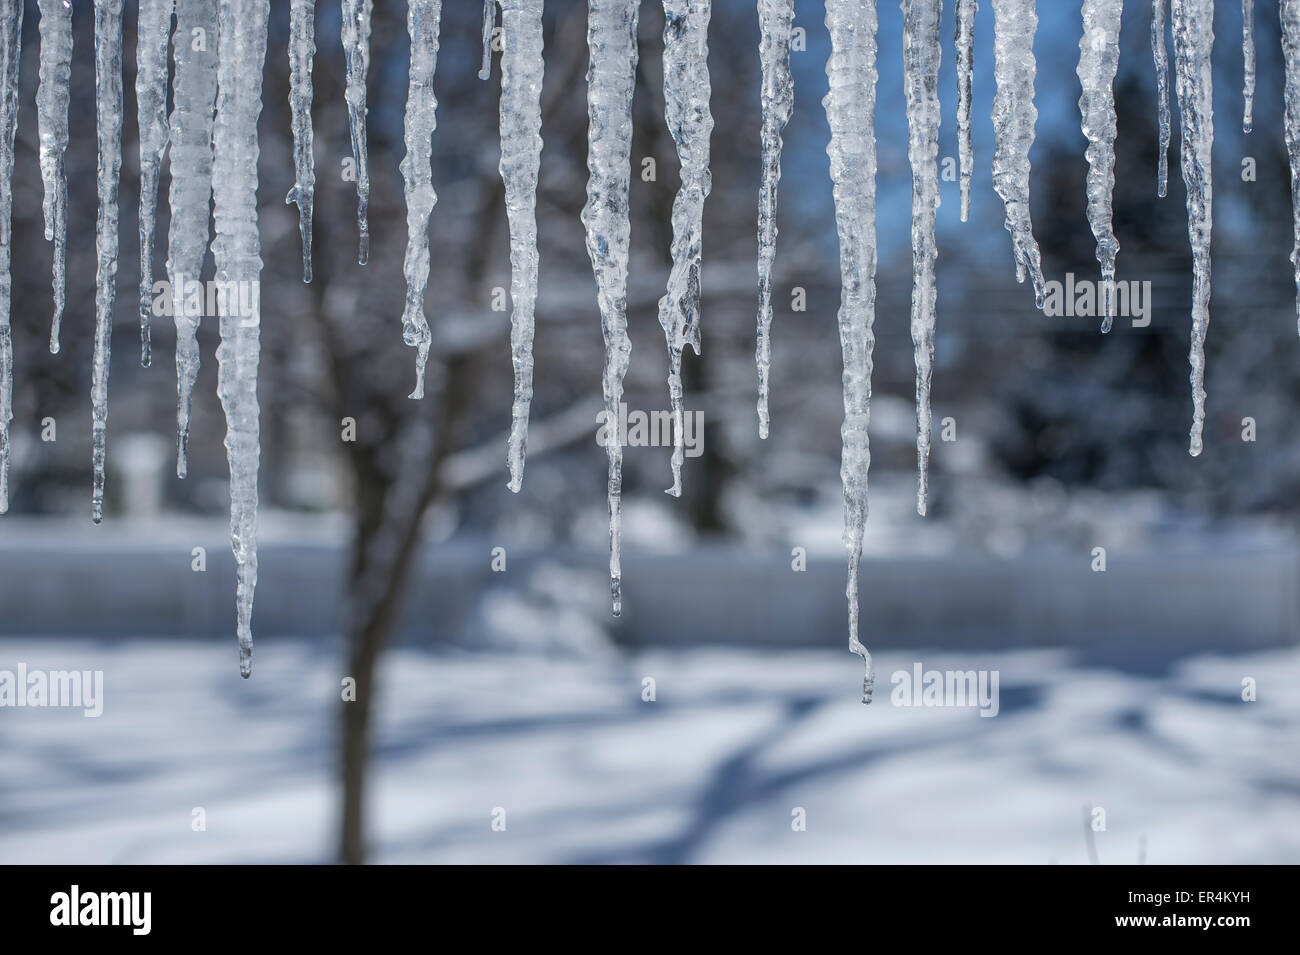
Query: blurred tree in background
{"x": 1038, "y": 399}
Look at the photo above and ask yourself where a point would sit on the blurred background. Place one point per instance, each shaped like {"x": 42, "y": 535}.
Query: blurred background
{"x": 513, "y": 689}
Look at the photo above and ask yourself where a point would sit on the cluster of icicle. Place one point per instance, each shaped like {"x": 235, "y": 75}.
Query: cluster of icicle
{"x": 219, "y": 48}
{"x": 211, "y": 141}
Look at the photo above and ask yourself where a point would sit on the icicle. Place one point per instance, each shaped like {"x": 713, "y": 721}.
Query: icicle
{"x": 1193, "y": 22}
{"x": 356, "y": 50}
{"x": 1289, "y": 11}
{"x": 422, "y": 22}
{"x": 153, "y": 28}
{"x": 108, "y": 124}
{"x": 1014, "y": 116}
{"x": 686, "y": 105}
{"x": 194, "y": 96}
{"x": 1098, "y": 63}
{"x": 302, "y": 48}
{"x": 521, "y": 151}
{"x": 922, "y": 51}
{"x": 1158, "y": 8}
{"x": 52, "y": 120}
{"x": 1248, "y": 61}
{"x": 965, "y": 78}
{"x": 489, "y": 20}
{"x": 11, "y": 37}
{"x": 241, "y": 50}
{"x": 611, "y": 78}
{"x": 775, "y": 19}
{"x": 850, "y": 110}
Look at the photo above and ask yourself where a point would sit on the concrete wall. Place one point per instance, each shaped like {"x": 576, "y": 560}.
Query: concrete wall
{"x": 137, "y": 580}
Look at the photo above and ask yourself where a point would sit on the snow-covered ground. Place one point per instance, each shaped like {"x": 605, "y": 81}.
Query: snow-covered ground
{"x": 712, "y": 771}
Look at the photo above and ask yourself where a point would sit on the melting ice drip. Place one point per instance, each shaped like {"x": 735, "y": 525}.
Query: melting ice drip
{"x": 302, "y": 49}
{"x": 52, "y": 123}
{"x": 921, "y": 54}
{"x": 1098, "y": 63}
{"x": 611, "y": 78}
{"x": 355, "y": 35}
{"x": 686, "y": 108}
{"x": 1014, "y": 116}
{"x": 1193, "y": 27}
{"x": 775, "y": 23}
{"x": 108, "y": 128}
{"x": 850, "y": 111}
{"x": 153, "y": 29}
{"x": 11, "y": 36}
{"x": 194, "y": 94}
{"x": 423, "y": 19}
{"x": 521, "y": 152}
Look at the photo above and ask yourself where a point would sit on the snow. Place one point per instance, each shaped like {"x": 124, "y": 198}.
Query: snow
{"x": 108, "y": 124}
{"x": 423, "y": 18}
{"x": 686, "y": 109}
{"x": 922, "y": 52}
{"x": 241, "y": 52}
{"x": 52, "y": 122}
{"x": 708, "y": 773}
{"x": 521, "y": 150}
{"x": 1193, "y": 25}
{"x": 1098, "y": 63}
{"x": 611, "y": 79}
{"x": 850, "y": 108}
{"x": 775, "y": 19}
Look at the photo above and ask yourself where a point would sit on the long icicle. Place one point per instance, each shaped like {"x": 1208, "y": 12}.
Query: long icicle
{"x": 1014, "y": 115}
{"x": 52, "y": 120}
{"x": 686, "y": 106}
{"x": 1193, "y": 22}
{"x": 356, "y": 50}
{"x": 922, "y": 51}
{"x": 422, "y": 22}
{"x": 194, "y": 95}
{"x": 1248, "y": 64}
{"x": 153, "y": 29}
{"x": 241, "y": 51}
{"x": 965, "y": 42}
{"x": 11, "y": 37}
{"x": 1159, "y": 9}
{"x": 1098, "y": 63}
{"x": 521, "y": 151}
{"x": 302, "y": 50}
{"x": 611, "y": 79}
{"x": 108, "y": 126}
{"x": 775, "y": 21}
{"x": 1289, "y": 13}
{"x": 850, "y": 110}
